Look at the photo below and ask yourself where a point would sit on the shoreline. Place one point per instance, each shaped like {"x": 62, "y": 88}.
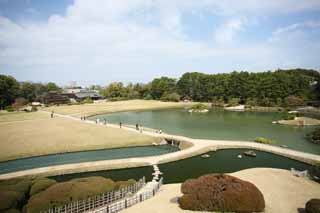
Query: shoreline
{"x": 199, "y": 147}
{"x": 194, "y": 147}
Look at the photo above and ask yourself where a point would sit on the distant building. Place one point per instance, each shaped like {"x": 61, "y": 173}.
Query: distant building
{"x": 81, "y": 94}
{"x": 55, "y": 98}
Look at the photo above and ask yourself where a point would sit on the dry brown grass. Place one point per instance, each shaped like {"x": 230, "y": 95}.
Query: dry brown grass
{"x": 21, "y": 116}
{"x": 33, "y": 134}
{"x": 108, "y": 107}
{"x": 58, "y": 135}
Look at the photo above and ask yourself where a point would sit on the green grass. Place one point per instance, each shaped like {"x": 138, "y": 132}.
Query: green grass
{"x": 264, "y": 140}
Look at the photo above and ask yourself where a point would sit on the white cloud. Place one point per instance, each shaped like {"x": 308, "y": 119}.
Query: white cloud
{"x": 296, "y": 26}
{"x": 226, "y": 33}
{"x": 129, "y": 40}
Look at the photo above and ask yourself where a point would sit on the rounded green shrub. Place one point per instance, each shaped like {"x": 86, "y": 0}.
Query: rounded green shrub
{"x": 63, "y": 193}
{"x": 122, "y": 184}
{"x": 10, "y": 199}
{"x": 313, "y": 206}
{"x": 221, "y": 192}
{"x": 40, "y": 185}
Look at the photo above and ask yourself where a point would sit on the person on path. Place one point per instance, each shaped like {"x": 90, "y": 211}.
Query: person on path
{"x": 52, "y": 114}
{"x": 137, "y": 127}
{"x": 120, "y": 124}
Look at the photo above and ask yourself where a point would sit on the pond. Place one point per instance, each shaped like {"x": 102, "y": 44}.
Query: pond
{"x": 219, "y": 124}
{"x": 78, "y": 157}
{"x": 221, "y": 161}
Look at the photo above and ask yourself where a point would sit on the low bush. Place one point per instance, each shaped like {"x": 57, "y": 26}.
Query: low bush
{"x": 10, "y": 199}
{"x": 221, "y": 193}
{"x": 9, "y": 109}
{"x": 87, "y": 101}
{"x": 41, "y": 185}
{"x": 18, "y": 185}
{"x": 118, "y": 99}
{"x": 314, "y": 136}
{"x": 264, "y": 140}
{"x": 60, "y": 194}
{"x": 122, "y": 184}
{"x": 233, "y": 102}
{"x": 289, "y": 116}
{"x": 199, "y": 107}
{"x": 313, "y": 206}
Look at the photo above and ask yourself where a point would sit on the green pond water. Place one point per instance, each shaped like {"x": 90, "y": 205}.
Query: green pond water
{"x": 219, "y": 124}
{"x": 221, "y": 161}
{"x": 78, "y": 157}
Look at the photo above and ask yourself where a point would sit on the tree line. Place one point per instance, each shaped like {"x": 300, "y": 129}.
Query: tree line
{"x": 12, "y": 91}
{"x": 278, "y": 88}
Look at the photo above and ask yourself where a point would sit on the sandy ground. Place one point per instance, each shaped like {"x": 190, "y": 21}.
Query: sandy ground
{"x": 297, "y": 122}
{"x": 24, "y": 136}
{"x": 283, "y": 192}
{"x": 118, "y": 106}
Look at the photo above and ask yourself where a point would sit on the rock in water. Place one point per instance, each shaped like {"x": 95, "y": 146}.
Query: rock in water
{"x": 221, "y": 193}
{"x": 313, "y": 206}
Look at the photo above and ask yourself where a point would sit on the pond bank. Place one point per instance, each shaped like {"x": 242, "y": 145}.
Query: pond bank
{"x": 198, "y": 147}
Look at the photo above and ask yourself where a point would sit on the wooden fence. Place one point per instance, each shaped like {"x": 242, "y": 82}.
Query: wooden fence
{"x": 99, "y": 200}
{"x": 131, "y": 200}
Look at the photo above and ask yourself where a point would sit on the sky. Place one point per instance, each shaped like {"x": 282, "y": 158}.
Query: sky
{"x": 102, "y": 41}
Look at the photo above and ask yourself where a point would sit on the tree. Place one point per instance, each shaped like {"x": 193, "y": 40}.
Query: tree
{"x": 115, "y": 90}
{"x": 175, "y": 97}
{"x": 9, "y": 90}
{"x": 52, "y": 87}
{"x": 162, "y": 85}
{"x": 28, "y": 91}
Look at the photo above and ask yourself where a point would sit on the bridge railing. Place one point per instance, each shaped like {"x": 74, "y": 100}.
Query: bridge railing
{"x": 130, "y": 201}
{"x": 88, "y": 205}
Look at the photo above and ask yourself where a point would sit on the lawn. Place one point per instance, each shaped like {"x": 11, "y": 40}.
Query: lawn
{"x": 108, "y": 107}
{"x": 32, "y": 134}
{"x": 42, "y": 135}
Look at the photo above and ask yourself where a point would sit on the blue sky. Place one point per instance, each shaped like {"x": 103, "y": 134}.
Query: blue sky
{"x": 101, "y": 41}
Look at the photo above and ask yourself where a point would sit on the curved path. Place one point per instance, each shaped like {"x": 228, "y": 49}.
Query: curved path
{"x": 198, "y": 147}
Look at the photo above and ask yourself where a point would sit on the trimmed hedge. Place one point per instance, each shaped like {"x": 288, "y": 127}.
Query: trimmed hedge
{"x": 221, "y": 193}
{"x": 10, "y": 199}
{"x": 41, "y": 185}
{"x": 63, "y": 193}
{"x": 313, "y": 206}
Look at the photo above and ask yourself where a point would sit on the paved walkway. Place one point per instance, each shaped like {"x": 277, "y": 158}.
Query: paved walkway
{"x": 198, "y": 147}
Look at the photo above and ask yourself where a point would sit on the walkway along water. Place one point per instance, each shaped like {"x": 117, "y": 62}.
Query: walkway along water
{"x": 198, "y": 147}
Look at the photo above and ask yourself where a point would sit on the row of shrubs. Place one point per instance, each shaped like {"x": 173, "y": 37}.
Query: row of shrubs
{"x": 40, "y": 194}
